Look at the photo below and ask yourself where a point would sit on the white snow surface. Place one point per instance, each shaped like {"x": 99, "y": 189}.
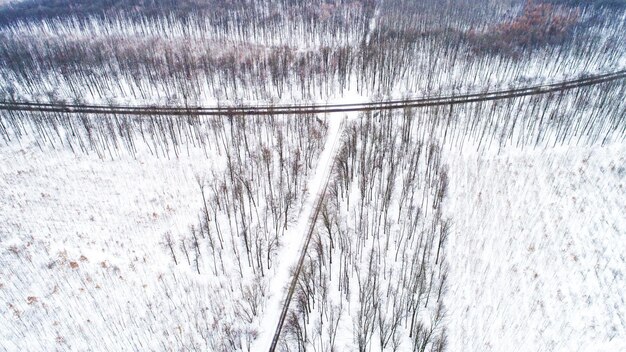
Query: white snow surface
{"x": 107, "y": 218}
{"x": 537, "y": 250}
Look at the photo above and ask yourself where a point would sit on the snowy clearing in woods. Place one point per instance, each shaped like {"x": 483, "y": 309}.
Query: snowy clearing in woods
{"x": 536, "y": 252}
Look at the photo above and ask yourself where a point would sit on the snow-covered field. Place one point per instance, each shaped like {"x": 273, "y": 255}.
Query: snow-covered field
{"x": 82, "y": 263}
{"x": 537, "y": 250}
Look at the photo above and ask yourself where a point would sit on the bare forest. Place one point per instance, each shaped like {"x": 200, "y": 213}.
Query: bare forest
{"x": 423, "y": 223}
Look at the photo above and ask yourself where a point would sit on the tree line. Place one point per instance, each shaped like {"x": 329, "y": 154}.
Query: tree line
{"x": 260, "y": 55}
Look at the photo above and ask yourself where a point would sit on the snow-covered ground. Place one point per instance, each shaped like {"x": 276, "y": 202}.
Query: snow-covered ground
{"x": 80, "y": 249}
{"x": 84, "y": 261}
{"x": 525, "y": 253}
{"x": 537, "y": 250}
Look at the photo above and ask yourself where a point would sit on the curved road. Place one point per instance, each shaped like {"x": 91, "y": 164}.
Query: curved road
{"x": 314, "y": 109}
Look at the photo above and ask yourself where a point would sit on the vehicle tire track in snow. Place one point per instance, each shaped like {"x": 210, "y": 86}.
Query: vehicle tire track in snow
{"x": 308, "y": 216}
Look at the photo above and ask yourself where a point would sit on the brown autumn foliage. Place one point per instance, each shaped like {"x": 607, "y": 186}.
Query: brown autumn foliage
{"x": 539, "y": 24}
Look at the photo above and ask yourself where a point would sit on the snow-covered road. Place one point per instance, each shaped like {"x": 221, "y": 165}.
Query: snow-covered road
{"x": 295, "y": 241}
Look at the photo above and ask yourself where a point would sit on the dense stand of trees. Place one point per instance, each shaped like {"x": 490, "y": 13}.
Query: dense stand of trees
{"x": 583, "y": 116}
{"x": 108, "y": 136}
{"x": 36, "y": 10}
{"x": 304, "y": 52}
{"x": 376, "y": 269}
{"x": 613, "y": 4}
{"x": 537, "y": 25}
